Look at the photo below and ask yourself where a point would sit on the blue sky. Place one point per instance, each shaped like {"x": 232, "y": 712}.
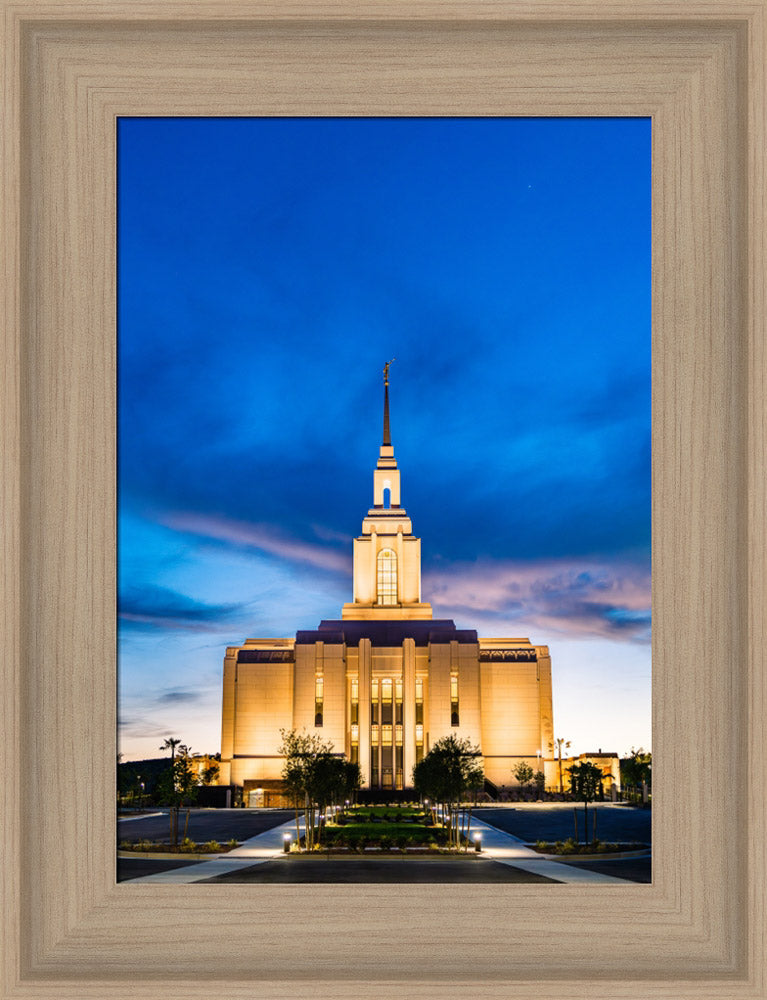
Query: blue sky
{"x": 267, "y": 269}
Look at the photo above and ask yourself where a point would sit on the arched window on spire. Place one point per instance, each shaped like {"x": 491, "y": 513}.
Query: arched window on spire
{"x": 387, "y": 577}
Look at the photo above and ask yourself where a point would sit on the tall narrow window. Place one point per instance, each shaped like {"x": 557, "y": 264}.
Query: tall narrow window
{"x": 419, "y": 701}
{"x": 319, "y": 699}
{"x": 354, "y": 720}
{"x": 454, "y": 700}
{"x": 387, "y": 577}
{"x": 354, "y": 702}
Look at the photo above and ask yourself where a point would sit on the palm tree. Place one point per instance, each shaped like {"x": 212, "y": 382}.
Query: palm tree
{"x": 558, "y": 745}
{"x": 170, "y": 744}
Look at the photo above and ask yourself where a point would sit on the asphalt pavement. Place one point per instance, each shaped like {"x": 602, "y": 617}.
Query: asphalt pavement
{"x": 204, "y": 824}
{"x": 302, "y": 870}
{"x": 531, "y": 821}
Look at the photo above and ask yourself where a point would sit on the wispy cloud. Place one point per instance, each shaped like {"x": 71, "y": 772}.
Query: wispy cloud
{"x": 261, "y": 537}
{"x": 572, "y": 598}
{"x": 177, "y": 696}
{"x": 153, "y": 607}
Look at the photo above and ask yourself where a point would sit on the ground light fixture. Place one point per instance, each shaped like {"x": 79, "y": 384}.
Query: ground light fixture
{"x": 477, "y": 842}
{"x": 286, "y": 839}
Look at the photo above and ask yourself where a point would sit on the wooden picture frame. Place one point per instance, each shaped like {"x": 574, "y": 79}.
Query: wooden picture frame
{"x": 71, "y": 67}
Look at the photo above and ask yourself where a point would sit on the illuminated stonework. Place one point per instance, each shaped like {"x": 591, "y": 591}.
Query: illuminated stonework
{"x": 386, "y": 680}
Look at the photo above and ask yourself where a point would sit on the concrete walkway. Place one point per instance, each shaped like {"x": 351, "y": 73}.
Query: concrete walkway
{"x": 509, "y": 850}
{"x": 496, "y": 845}
{"x": 263, "y": 847}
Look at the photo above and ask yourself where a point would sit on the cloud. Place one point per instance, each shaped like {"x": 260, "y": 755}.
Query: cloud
{"x": 177, "y": 696}
{"x": 262, "y": 537}
{"x": 153, "y": 607}
{"x": 569, "y": 598}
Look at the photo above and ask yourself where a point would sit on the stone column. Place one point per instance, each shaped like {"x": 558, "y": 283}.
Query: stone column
{"x": 408, "y": 710}
{"x": 364, "y": 709}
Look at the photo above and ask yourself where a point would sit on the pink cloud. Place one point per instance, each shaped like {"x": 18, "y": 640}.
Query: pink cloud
{"x": 582, "y": 598}
{"x": 264, "y": 537}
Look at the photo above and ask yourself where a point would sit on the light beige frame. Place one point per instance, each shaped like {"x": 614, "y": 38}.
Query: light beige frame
{"x": 698, "y": 69}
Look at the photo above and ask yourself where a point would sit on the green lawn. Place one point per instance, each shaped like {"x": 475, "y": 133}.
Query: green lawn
{"x": 384, "y": 826}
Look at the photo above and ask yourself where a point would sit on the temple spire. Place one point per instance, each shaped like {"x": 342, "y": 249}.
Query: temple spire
{"x": 386, "y": 431}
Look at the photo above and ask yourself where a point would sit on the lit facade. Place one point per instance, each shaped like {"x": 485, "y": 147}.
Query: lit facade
{"x": 387, "y": 679}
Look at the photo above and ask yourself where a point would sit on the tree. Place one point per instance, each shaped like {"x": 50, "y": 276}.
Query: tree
{"x": 171, "y": 742}
{"x": 314, "y": 773}
{"x": 523, "y": 773}
{"x": 636, "y": 768}
{"x": 585, "y": 780}
{"x": 557, "y": 744}
{"x": 210, "y": 774}
{"x": 445, "y": 774}
{"x": 540, "y": 780}
{"x": 177, "y": 782}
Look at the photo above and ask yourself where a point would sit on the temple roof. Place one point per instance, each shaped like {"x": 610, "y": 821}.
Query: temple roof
{"x": 385, "y": 632}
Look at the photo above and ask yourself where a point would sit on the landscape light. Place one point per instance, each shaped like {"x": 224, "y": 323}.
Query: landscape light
{"x": 286, "y": 839}
{"x": 477, "y": 842}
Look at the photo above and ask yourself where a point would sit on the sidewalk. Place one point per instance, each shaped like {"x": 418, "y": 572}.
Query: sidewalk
{"x": 264, "y": 846}
{"x": 509, "y": 850}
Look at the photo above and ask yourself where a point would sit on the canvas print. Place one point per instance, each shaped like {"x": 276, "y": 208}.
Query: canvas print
{"x": 384, "y": 500}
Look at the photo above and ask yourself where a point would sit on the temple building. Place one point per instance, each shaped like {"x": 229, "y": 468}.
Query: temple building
{"x": 387, "y": 679}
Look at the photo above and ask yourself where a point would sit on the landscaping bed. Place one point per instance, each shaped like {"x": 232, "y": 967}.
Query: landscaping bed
{"x": 186, "y": 846}
{"x": 398, "y": 829}
{"x": 596, "y": 848}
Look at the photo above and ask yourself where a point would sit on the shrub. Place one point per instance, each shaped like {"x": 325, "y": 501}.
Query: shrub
{"x": 542, "y": 845}
{"x": 125, "y": 845}
{"x": 211, "y": 846}
{"x": 384, "y": 842}
{"x": 234, "y": 842}
{"x": 402, "y": 841}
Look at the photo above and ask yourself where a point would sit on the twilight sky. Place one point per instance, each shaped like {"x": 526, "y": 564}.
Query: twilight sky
{"x": 267, "y": 269}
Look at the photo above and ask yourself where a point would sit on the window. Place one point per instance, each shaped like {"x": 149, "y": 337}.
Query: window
{"x": 373, "y": 702}
{"x": 354, "y": 702}
{"x": 319, "y": 698}
{"x": 419, "y": 703}
{"x": 387, "y": 577}
{"x": 454, "y": 700}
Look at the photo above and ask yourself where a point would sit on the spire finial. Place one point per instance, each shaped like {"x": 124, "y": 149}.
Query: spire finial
{"x": 386, "y": 433}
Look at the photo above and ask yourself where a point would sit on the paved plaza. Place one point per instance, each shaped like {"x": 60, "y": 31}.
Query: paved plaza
{"x": 504, "y": 857}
